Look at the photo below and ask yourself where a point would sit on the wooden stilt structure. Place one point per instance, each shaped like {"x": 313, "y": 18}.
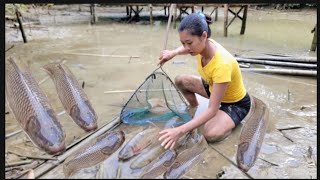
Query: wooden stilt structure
{"x": 236, "y": 15}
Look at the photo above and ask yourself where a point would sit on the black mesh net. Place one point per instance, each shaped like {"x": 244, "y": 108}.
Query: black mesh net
{"x": 156, "y": 100}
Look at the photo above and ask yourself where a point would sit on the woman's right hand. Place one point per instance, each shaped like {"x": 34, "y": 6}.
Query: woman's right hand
{"x": 165, "y": 56}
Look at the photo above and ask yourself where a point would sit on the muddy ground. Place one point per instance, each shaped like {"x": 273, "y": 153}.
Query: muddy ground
{"x": 64, "y": 32}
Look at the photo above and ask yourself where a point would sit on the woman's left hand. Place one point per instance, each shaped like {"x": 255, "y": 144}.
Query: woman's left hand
{"x": 170, "y": 137}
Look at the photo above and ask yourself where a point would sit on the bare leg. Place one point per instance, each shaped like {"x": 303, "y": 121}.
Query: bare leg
{"x": 218, "y": 128}
{"x": 189, "y": 85}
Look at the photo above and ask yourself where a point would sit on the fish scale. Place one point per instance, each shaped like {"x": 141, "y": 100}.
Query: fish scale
{"x": 159, "y": 165}
{"x": 186, "y": 158}
{"x": 32, "y": 110}
{"x": 93, "y": 153}
{"x": 252, "y": 134}
{"x": 138, "y": 142}
{"x": 72, "y": 96}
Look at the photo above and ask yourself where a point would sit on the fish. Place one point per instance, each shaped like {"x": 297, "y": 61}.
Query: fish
{"x": 159, "y": 165}
{"x": 144, "y": 159}
{"x": 31, "y": 108}
{"x": 158, "y": 106}
{"x": 138, "y": 142}
{"x": 252, "y": 134}
{"x": 72, "y": 96}
{"x": 94, "y": 152}
{"x": 186, "y": 159}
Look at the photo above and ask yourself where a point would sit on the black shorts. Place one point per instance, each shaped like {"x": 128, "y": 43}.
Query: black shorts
{"x": 238, "y": 110}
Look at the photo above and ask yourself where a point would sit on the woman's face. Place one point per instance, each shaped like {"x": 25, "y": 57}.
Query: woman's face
{"x": 193, "y": 43}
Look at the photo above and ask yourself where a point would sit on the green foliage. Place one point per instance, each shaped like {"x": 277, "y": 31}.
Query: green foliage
{"x": 10, "y": 8}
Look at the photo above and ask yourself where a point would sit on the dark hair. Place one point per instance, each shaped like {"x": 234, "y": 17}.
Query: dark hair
{"x": 196, "y": 23}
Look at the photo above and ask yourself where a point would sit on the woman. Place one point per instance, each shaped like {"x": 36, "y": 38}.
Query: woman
{"x": 221, "y": 82}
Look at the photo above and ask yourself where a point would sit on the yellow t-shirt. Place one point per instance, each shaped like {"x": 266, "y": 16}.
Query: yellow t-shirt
{"x": 223, "y": 67}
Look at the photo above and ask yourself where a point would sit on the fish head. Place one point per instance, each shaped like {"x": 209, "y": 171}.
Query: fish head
{"x": 246, "y": 156}
{"x": 126, "y": 153}
{"x": 111, "y": 141}
{"x": 46, "y": 132}
{"x": 49, "y": 68}
{"x": 86, "y": 118}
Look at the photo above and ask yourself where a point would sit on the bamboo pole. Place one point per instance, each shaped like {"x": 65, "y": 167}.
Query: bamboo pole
{"x": 283, "y": 71}
{"x": 301, "y": 59}
{"x": 132, "y": 90}
{"x": 33, "y": 157}
{"x": 275, "y": 63}
{"x": 172, "y": 6}
{"x": 18, "y": 163}
{"x": 50, "y": 164}
{"x": 20, "y": 24}
{"x": 100, "y": 55}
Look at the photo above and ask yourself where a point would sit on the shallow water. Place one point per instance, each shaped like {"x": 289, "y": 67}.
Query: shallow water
{"x": 85, "y": 46}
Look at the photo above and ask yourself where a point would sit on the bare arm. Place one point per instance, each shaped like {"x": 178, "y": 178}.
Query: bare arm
{"x": 166, "y": 55}
{"x": 171, "y": 136}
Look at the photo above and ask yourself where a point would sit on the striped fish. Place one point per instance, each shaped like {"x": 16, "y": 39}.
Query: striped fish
{"x": 93, "y": 153}
{"x": 186, "y": 159}
{"x": 32, "y": 110}
{"x": 252, "y": 134}
{"x": 139, "y": 142}
{"x": 72, "y": 96}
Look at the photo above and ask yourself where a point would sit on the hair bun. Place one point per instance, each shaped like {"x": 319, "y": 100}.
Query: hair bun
{"x": 208, "y": 19}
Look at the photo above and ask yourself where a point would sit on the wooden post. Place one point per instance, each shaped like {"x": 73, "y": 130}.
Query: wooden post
{"x": 314, "y": 41}
{"x": 175, "y": 17}
{"x": 226, "y": 7}
{"x": 151, "y": 18}
{"x": 216, "y": 15}
{"x": 20, "y": 24}
{"x": 244, "y": 19}
{"x": 93, "y": 14}
{"x": 127, "y": 9}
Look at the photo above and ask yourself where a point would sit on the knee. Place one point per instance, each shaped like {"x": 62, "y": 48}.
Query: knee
{"x": 215, "y": 135}
{"x": 178, "y": 80}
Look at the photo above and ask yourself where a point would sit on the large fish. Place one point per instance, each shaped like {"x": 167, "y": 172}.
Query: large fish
{"x": 93, "y": 153}
{"x": 159, "y": 165}
{"x": 32, "y": 110}
{"x": 139, "y": 142}
{"x": 252, "y": 134}
{"x": 145, "y": 158}
{"x": 74, "y": 99}
{"x": 186, "y": 159}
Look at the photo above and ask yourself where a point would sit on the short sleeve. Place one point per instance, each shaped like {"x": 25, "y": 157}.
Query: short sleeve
{"x": 222, "y": 74}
